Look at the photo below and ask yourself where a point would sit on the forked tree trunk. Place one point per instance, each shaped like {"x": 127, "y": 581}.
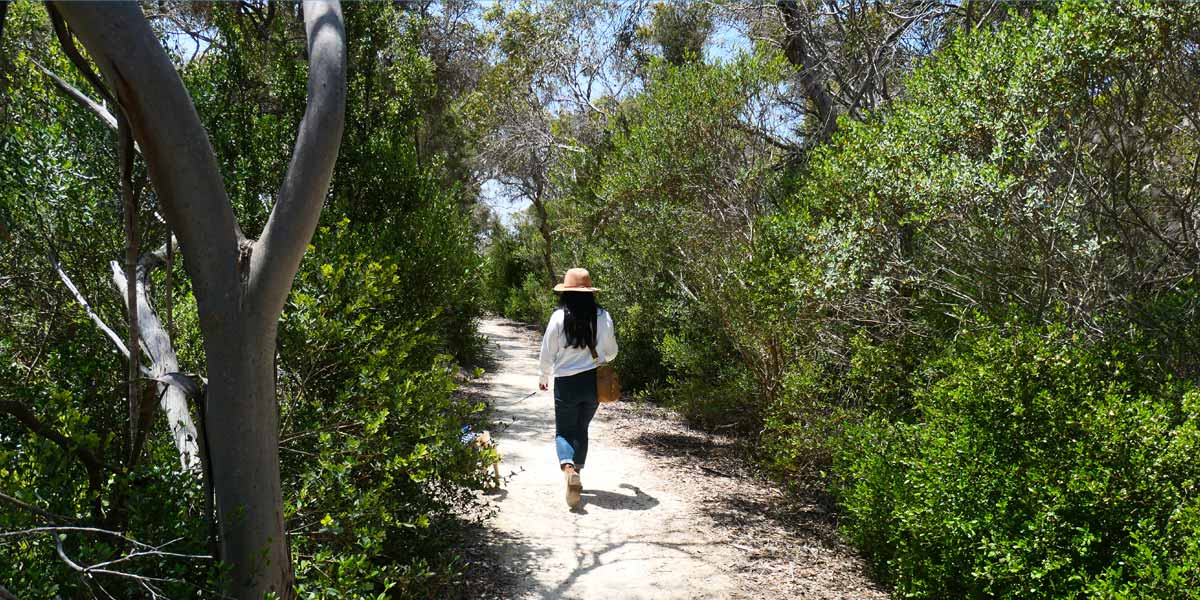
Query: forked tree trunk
{"x": 240, "y": 285}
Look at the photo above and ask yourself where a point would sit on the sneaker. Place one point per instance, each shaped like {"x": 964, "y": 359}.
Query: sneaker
{"x": 574, "y": 487}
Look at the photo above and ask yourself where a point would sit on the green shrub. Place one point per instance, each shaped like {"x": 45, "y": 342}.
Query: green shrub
{"x": 800, "y": 424}
{"x": 706, "y": 383}
{"x": 1039, "y": 466}
{"x": 375, "y": 475}
{"x": 531, "y": 303}
{"x": 503, "y": 269}
{"x": 819, "y": 400}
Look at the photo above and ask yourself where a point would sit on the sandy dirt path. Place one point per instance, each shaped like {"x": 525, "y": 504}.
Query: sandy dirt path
{"x": 637, "y": 534}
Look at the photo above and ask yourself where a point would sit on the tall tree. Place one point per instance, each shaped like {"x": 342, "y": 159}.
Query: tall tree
{"x": 240, "y": 284}
{"x": 851, "y": 57}
{"x": 563, "y": 60}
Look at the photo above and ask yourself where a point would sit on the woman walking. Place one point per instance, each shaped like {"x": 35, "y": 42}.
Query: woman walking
{"x": 578, "y": 338}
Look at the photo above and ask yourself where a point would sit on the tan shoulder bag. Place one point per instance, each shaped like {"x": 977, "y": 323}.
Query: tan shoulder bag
{"x": 608, "y": 387}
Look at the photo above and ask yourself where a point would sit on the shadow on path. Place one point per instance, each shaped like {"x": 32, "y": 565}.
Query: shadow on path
{"x": 639, "y": 500}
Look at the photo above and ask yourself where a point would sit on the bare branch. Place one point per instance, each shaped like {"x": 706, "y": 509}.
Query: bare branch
{"x": 87, "y": 308}
{"x": 41, "y": 512}
{"x": 79, "y": 97}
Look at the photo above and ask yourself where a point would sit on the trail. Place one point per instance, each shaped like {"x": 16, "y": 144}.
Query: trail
{"x": 668, "y": 512}
{"x": 635, "y": 536}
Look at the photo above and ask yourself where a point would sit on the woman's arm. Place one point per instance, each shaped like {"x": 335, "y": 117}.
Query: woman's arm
{"x": 606, "y": 338}
{"x": 550, "y": 348}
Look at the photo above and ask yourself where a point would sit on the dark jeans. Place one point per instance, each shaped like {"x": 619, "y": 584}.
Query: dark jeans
{"x": 574, "y": 406}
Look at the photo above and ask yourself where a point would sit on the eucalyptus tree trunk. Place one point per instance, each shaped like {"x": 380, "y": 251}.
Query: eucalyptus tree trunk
{"x": 539, "y": 204}
{"x": 240, "y": 284}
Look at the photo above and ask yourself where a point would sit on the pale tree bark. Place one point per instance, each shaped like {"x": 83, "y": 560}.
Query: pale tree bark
{"x": 240, "y": 285}
{"x": 156, "y": 343}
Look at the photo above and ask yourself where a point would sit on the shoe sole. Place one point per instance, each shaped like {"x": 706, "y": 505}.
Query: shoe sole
{"x": 574, "y": 490}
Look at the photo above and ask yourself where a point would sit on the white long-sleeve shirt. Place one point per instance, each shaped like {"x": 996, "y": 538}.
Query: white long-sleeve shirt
{"x": 559, "y": 360}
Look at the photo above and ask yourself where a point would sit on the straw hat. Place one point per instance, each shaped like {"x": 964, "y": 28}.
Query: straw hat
{"x": 576, "y": 280}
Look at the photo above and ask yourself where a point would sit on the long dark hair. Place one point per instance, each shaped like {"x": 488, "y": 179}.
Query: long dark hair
{"x": 579, "y": 318}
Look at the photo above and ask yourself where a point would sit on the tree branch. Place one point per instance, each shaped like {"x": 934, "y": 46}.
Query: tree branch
{"x": 79, "y": 97}
{"x": 23, "y": 414}
{"x": 291, "y": 225}
{"x": 130, "y": 210}
{"x": 91, "y": 463}
{"x": 67, "y": 41}
{"x": 797, "y": 51}
{"x": 174, "y": 143}
{"x": 41, "y": 512}
{"x": 156, "y": 343}
{"x": 87, "y": 308}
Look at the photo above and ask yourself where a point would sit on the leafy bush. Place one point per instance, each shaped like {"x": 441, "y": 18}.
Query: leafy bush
{"x": 375, "y": 473}
{"x": 707, "y": 383}
{"x": 1038, "y": 466}
{"x": 503, "y": 270}
{"x": 531, "y": 303}
{"x": 819, "y": 400}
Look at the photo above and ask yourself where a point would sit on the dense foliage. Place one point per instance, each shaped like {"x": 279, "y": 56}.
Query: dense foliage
{"x": 938, "y": 258}
{"x": 376, "y": 479}
{"x": 1035, "y": 465}
{"x": 972, "y": 308}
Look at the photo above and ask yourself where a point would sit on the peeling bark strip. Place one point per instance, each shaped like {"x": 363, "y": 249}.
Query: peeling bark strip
{"x": 238, "y": 322}
{"x": 164, "y": 364}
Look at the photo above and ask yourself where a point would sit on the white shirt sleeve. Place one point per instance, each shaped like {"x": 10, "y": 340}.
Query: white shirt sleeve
{"x": 551, "y": 342}
{"x": 606, "y": 338}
